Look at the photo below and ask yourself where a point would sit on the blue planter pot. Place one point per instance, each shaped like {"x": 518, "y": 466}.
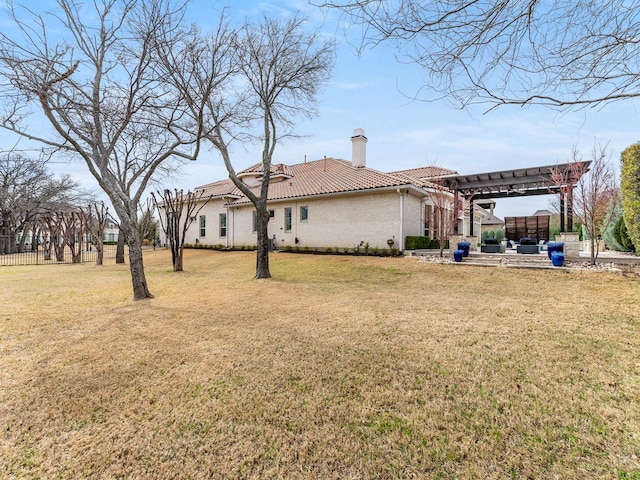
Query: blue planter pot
{"x": 457, "y": 255}
{"x": 464, "y": 246}
{"x": 557, "y": 259}
{"x": 554, "y": 247}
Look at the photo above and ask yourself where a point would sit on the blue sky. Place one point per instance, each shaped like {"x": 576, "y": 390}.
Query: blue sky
{"x": 371, "y": 91}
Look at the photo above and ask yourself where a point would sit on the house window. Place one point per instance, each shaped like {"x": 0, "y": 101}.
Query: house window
{"x": 428, "y": 220}
{"x": 287, "y": 219}
{"x": 223, "y": 224}
{"x": 203, "y": 225}
{"x": 304, "y": 213}
{"x": 272, "y": 213}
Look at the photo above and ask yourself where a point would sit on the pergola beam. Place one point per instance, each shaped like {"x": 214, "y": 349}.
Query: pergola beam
{"x": 501, "y": 184}
{"x": 522, "y": 182}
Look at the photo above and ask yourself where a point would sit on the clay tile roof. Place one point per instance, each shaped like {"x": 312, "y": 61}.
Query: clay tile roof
{"x": 428, "y": 171}
{"x": 276, "y": 169}
{"x": 425, "y": 173}
{"x": 327, "y": 176}
{"x": 222, "y": 188}
{"x": 425, "y": 177}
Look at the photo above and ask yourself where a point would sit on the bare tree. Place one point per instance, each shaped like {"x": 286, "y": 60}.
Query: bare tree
{"x": 281, "y": 68}
{"x": 595, "y": 196}
{"x": 92, "y": 70}
{"x": 52, "y": 228}
{"x": 563, "y": 183}
{"x": 146, "y": 224}
{"x": 96, "y": 219}
{"x": 74, "y": 228}
{"x": 566, "y": 54}
{"x": 179, "y": 208}
{"x": 27, "y": 191}
{"x": 446, "y": 211}
{"x": 46, "y": 235}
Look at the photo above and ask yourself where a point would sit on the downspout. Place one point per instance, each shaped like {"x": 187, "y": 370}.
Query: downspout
{"x": 401, "y": 239}
{"x": 230, "y": 226}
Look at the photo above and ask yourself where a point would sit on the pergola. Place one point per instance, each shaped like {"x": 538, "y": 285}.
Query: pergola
{"x": 523, "y": 182}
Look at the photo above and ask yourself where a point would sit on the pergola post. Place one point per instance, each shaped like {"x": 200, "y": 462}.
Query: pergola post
{"x": 570, "y": 209}
{"x": 561, "y": 194}
{"x": 471, "y": 218}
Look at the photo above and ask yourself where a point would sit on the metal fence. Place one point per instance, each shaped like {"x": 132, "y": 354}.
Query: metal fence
{"x": 30, "y": 255}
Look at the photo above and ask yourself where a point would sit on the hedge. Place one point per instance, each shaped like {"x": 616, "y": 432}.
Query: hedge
{"x": 414, "y": 242}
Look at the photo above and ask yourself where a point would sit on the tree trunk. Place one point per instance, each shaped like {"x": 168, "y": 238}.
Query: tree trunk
{"x": 177, "y": 260}
{"x": 594, "y": 246}
{"x": 58, "y": 247}
{"x": 173, "y": 238}
{"x": 34, "y": 238}
{"x": 76, "y": 248}
{"x": 99, "y": 252}
{"x": 262, "y": 256}
{"x": 46, "y": 245}
{"x": 120, "y": 247}
{"x": 138, "y": 279}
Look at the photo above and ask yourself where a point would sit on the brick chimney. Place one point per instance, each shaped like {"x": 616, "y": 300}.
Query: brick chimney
{"x": 358, "y": 148}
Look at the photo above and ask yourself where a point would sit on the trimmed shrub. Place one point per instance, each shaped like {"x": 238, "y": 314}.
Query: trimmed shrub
{"x": 630, "y": 189}
{"x": 621, "y": 235}
{"x": 497, "y": 234}
{"x": 414, "y": 242}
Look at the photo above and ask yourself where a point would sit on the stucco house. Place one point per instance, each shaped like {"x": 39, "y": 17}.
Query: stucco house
{"x": 329, "y": 202}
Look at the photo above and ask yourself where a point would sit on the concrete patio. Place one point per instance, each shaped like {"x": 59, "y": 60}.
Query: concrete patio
{"x": 611, "y": 261}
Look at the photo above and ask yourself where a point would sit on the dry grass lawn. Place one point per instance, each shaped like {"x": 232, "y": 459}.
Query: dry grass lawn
{"x": 337, "y": 368}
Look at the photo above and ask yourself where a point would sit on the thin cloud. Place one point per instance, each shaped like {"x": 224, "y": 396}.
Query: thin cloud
{"x": 352, "y": 85}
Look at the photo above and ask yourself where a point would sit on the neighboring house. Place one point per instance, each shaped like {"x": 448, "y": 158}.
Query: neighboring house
{"x": 488, "y": 222}
{"x": 543, "y": 213}
{"x": 325, "y": 203}
{"x": 111, "y": 231}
